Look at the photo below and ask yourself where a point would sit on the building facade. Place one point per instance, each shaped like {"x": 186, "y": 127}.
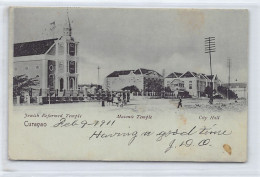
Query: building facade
{"x": 194, "y": 83}
{"x": 171, "y": 77}
{"x": 240, "y": 89}
{"x": 89, "y": 88}
{"x": 53, "y": 61}
{"x": 144, "y": 79}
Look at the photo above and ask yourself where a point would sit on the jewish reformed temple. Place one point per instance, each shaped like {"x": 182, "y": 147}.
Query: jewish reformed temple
{"x": 54, "y": 62}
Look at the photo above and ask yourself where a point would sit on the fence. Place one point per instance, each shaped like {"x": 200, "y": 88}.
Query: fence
{"x": 46, "y": 96}
{"x": 162, "y": 94}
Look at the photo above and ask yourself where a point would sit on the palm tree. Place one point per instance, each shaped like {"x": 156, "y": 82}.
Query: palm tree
{"x": 22, "y": 84}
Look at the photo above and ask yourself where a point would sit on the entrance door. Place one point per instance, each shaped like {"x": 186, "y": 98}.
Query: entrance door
{"x": 71, "y": 83}
{"x": 61, "y": 84}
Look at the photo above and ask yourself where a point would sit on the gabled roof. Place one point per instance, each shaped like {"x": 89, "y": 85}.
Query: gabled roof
{"x": 117, "y": 73}
{"x": 189, "y": 74}
{"x": 178, "y": 74}
{"x": 145, "y": 71}
{"x": 137, "y": 71}
{"x": 204, "y": 75}
{"x": 32, "y": 48}
{"x": 210, "y": 76}
{"x": 174, "y": 75}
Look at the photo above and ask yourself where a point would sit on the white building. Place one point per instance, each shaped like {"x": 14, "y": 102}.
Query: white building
{"x": 238, "y": 88}
{"x": 171, "y": 77}
{"x": 194, "y": 83}
{"x": 53, "y": 61}
{"x": 89, "y": 88}
{"x": 144, "y": 79}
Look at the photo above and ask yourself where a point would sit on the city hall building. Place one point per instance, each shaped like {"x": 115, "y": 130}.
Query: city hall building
{"x": 192, "y": 82}
{"x": 53, "y": 61}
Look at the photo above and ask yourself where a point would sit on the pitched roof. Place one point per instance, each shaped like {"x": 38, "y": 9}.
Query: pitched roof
{"x": 126, "y": 72}
{"x": 147, "y": 71}
{"x": 204, "y": 75}
{"x": 189, "y": 74}
{"x": 32, "y": 48}
{"x": 210, "y": 76}
{"x": 138, "y": 71}
{"x": 117, "y": 73}
{"x": 178, "y": 74}
{"x": 143, "y": 71}
{"x": 174, "y": 75}
{"x": 236, "y": 85}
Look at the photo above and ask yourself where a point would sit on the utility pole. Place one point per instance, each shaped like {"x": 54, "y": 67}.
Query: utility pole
{"x": 209, "y": 48}
{"x": 163, "y": 74}
{"x": 229, "y": 66}
{"x": 98, "y": 73}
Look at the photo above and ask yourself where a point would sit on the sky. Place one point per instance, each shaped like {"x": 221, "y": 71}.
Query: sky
{"x": 159, "y": 39}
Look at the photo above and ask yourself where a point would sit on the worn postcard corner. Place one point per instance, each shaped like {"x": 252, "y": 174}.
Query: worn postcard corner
{"x": 119, "y": 84}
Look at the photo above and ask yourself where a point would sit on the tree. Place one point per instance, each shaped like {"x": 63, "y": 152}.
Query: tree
{"x": 227, "y": 92}
{"x": 22, "y": 84}
{"x": 132, "y": 88}
{"x": 168, "y": 89}
{"x": 153, "y": 85}
{"x": 208, "y": 91}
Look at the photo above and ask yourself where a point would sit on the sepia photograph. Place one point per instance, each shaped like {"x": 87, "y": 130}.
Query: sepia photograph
{"x": 161, "y": 79}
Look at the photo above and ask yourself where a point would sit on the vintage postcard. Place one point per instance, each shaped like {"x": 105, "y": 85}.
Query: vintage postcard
{"x": 128, "y": 84}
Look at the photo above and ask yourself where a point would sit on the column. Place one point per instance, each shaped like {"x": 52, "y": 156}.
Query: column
{"x": 56, "y": 79}
{"x": 67, "y": 83}
{"x": 76, "y": 82}
{"x": 44, "y": 75}
{"x": 67, "y": 66}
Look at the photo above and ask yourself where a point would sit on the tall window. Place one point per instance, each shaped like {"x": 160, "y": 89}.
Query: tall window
{"x": 72, "y": 49}
{"x": 76, "y": 49}
{"x": 190, "y": 84}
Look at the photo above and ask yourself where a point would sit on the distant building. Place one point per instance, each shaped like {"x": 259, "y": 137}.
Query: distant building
{"x": 177, "y": 87}
{"x": 53, "y": 61}
{"x": 195, "y": 83}
{"x": 192, "y": 82}
{"x": 144, "y": 79}
{"x": 171, "y": 77}
{"x": 238, "y": 88}
{"x": 89, "y": 88}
